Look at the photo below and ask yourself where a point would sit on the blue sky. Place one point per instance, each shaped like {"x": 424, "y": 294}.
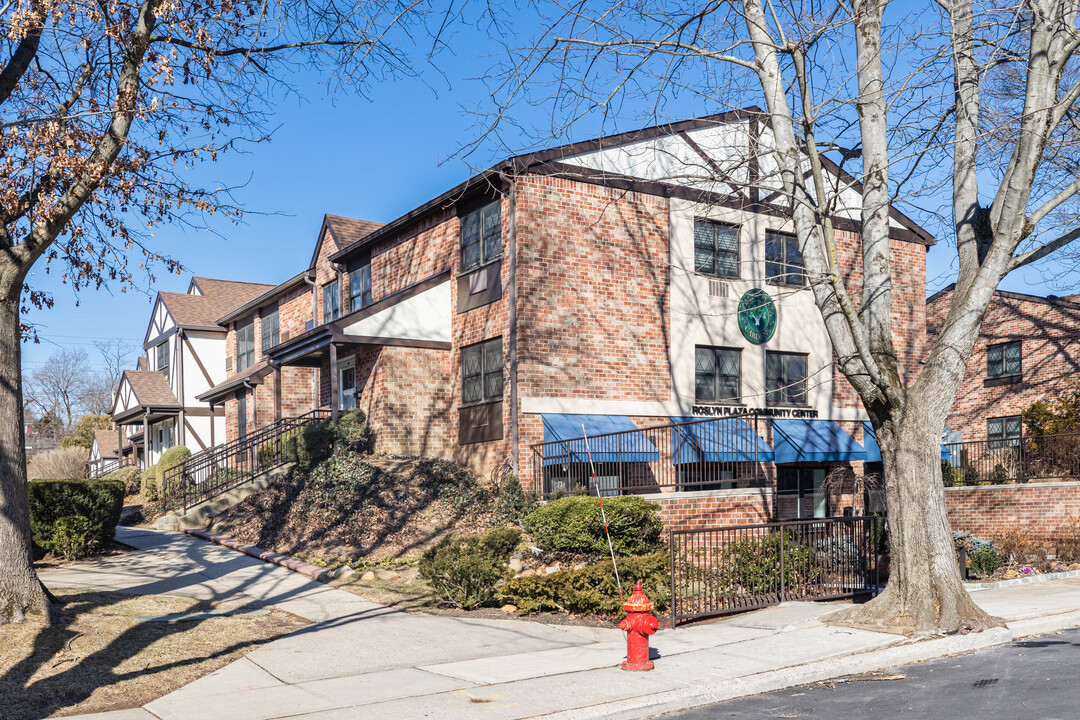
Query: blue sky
{"x": 373, "y": 158}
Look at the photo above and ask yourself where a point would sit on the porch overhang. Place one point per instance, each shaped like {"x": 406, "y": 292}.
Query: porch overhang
{"x": 149, "y": 413}
{"x": 253, "y": 375}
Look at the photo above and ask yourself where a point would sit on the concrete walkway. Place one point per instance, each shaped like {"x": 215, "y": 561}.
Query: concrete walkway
{"x": 362, "y": 660}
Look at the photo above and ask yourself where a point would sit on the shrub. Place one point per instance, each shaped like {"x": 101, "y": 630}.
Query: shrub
{"x": 70, "y": 463}
{"x": 971, "y": 543}
{"x": 1068, "y": 544}
{"x": 513, "y": 504}
{"x": 148, "y": 483}
{"x": 971, "y": 475}
{"x": 168, "y": 460}
{"x": 753, "y": 565}
{"x": 985, "y": 562}
{"x": 946, "y": 473}
{"x": 352, "y": 431}
{"x": 573, "y": 526}
{"x": 1000, "y": 476}
{"x": 593, "y": 589}
{"x": 74, "y": 537}
{"x": 265, "y": 454}
{"x": 1020, "y": 547}
{"x": 314, "y": 444}
{"x": 130, "y": 476}
{"x": 99, "y": 501}
{"x": 464, "y": 571}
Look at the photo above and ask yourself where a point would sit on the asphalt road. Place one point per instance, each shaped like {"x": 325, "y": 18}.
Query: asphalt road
{"x": 1037, "y": 679}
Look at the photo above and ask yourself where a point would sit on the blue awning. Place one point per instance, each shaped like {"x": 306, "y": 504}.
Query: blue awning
{"x": 569, "y": 432}
{"x": 814, "y": 441}
{"x": 873, "y": 452}
{"x": 721, "y": 440}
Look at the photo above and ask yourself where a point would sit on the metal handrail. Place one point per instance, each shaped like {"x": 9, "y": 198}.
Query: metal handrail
{"x": 975, "y": 462}
{"x": 217, "y": 470}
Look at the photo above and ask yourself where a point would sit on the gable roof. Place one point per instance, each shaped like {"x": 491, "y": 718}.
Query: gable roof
{"x": 201, "y": 312}
{"x": 264, "y": 298}
{"x": 549, "y": 161}
{"x": 346, "y": 232}
{"x": 151, "y": 388}
{"x": 106, "y": 443}
{"x": 1069, "y": 302}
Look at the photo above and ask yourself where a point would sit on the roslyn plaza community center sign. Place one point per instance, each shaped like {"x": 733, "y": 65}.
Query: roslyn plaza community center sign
{"x": 757, "y": 316}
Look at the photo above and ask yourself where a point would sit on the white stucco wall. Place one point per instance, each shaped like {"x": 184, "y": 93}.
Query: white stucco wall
{"x": 209, "y": 349}
{"x": 422, "y": 317}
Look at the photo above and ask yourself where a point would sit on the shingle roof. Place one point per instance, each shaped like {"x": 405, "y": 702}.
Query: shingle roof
{"x": 151, "y": 388}
{"x": 106, "y": 442}
{"x": 254, "y": 374}
{"x": 349, "y": 230}
{"x": 218, "y": 298}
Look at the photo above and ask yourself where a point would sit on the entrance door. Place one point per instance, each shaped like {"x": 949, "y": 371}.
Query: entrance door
{"x": 804, "y": 490}
{"x": 347, "y": 383}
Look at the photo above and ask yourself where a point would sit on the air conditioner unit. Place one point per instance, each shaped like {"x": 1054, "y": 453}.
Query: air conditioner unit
{"x": 719, "y": 288}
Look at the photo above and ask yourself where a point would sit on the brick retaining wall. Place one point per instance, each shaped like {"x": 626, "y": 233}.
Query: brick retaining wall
{"x": 1040, "y": 508}
{"x": 717, "y": 508}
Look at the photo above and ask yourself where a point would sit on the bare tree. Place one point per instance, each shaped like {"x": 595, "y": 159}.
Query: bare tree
{"x": 116, "y": 356}
{"x": 965, "y": 107}
{"x": 105, "y": 107}
{"x": 59, "y": 386}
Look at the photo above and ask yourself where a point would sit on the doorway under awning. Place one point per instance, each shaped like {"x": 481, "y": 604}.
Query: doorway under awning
{"x": 873, "y": 452}
{"x": 728, "y": 440}
{"x": 801, "y": 441}
{"x": 607, "y": 438}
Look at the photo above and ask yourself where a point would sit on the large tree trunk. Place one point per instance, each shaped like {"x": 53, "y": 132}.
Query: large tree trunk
{"x": 925, "y": 592}
{"x": 21, "y": 595}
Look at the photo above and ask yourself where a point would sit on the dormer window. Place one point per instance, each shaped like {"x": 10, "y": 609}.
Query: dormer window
{"x": 162, "y": 355}
{"x": 481, "y": 237}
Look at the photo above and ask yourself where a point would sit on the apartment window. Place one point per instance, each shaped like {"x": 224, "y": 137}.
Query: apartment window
{"x": 716, "y": 374}
{"x": 785, "y": 378}
{"x": 783, "y": 262}
{"x": 1004, "y": 432}
{"x": 482, "y": 373}
{"x": 245, "y": 345}
{"x": 241, "y": 415}
{"x": 716, "y": 249}
{"x": 331, "y": 301}
{"x": 271, "y": 331}
{"x": 360, "y": 287}
{"x": 1003, "y": 359}
{"x": 481, "y": 237}
{"x": 162, "y": 352}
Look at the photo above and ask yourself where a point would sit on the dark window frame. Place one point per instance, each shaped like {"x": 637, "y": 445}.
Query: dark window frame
{"x": 241, "y": 414}
{"x": 722, "y": 390}
{"x": 779, "y": 268}
{"x": 713, "y": 267}
{"x": 489, "y": 373}
{"x": 245, "y": 345}
{"x": 1010, "y": 430}
{"x": 786, "y": 391}
{"x": 487, "y": 223}
{"x": 332, "y": 290}
{"x": 270, "y": 329}
{"x": 161, "y": 351}
{"x": 360, "y": 276}
{"x": 998, "y": 362}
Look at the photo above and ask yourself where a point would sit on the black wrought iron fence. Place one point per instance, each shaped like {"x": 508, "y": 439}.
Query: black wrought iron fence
{"x": 707, "y": 454}
{"x": 721, "y": 570}
{"x": 1013, "y": 460}
{"x": 210, "y": 473}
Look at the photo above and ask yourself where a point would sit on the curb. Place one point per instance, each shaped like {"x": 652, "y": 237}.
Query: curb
{"x": 646, "y": 706}
{"x": 1044, "y": 577}
{"x": 314, "y": 572}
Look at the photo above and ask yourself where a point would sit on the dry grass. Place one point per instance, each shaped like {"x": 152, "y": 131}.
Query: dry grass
{"x": 68, "y": 463}
{"x": 99, "y": 657}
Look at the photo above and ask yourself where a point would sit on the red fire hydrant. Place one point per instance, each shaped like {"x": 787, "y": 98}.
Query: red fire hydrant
{"x": 638, "y": 624}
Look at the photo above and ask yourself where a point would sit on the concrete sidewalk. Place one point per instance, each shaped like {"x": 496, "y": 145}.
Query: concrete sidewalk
{"x": 362, "y": 660}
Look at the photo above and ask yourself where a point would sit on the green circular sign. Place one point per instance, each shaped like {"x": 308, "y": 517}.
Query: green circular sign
{"x": 757, "y": 316}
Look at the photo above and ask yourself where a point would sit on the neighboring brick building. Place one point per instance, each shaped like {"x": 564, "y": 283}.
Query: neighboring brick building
{"x": 1028, "y": 349}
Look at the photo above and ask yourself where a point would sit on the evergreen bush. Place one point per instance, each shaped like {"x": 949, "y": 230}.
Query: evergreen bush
{"x": 352, "y": 431}
{"x": 130, "y": 476}
{"x": 514, "y": 504}
{"x": 591, "y": 590}
{"x": 465, "y": 571}
{"x": 315, "y": 444}
{"x": 985, "y": 562}
{"x": 74, "y": 537}
{"x": 572, "y": 526}
{"x": 148, "y": 483}
{"x": 169, "y": 459}
{"x": 99, "y": 501}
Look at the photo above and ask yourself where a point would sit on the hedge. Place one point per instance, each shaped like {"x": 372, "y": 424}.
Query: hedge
{"x": 591, "y": 590}
{"x": 99, "y": 501}
{"x": 573, "y": 526}
{"x": 168, "y": 460}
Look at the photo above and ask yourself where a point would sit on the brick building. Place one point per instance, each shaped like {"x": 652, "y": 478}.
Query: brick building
{"x": 613, "y": 285}
{"x": 1028, "y": 349}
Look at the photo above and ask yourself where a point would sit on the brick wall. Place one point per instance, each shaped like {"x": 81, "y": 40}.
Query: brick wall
{"x": 690, "y": 511}
{"x": 1049, "y": 331}
{"x": 1040, "y": 508}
